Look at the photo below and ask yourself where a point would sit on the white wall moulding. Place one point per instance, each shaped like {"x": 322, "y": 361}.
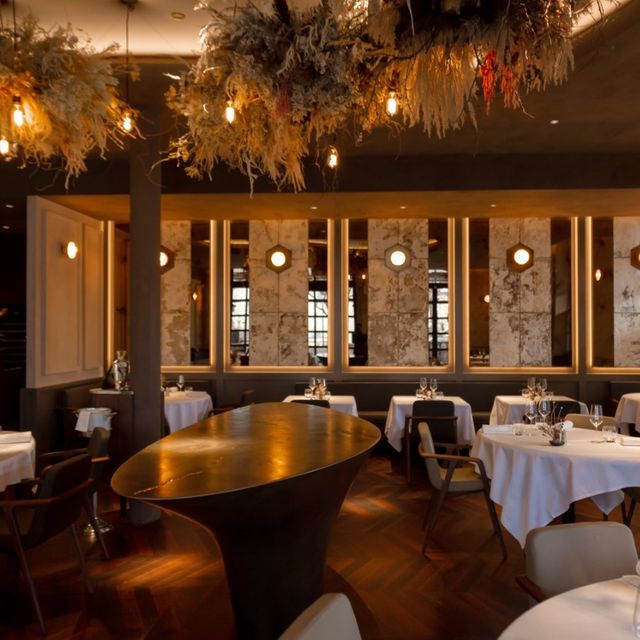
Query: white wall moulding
{"x": 65, "y": 308}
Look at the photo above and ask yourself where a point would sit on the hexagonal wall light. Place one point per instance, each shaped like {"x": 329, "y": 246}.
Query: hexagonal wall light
{"x": 278, "y": 258}
{"x": 397, "y": 257}
{"x": 519, "y": 257}
{"x": 167, "y": 259}
{"x": 635, "y": 257}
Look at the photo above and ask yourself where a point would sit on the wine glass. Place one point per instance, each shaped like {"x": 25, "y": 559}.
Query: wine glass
{"x": 530, "y": 411}
{"x": 542, "y": 384}
{"x": 596, "y": 415}
{"x": 531, "y": 383}
{"x": 180, "y": 383}
{"x": 544, "y": 409}
{"x": 433, "y": 385}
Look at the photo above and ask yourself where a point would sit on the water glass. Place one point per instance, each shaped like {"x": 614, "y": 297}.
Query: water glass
{"x": 609, "y": 432}
{"x": 518, "y": 428}
{"x": 596, "y": 416}
{"x": 308, "y": 392}
{"x": 180, "y": 383}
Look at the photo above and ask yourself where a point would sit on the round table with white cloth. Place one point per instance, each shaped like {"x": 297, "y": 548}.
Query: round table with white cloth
{"x": 17, "y": 457}
{"x": 535, "y": 482}
{"x": 401, "y": 406}
{"x": 344, "y": 404}
{"x": 510, "y": 409}
{"x": 184, "y": 408}
{"x": 628, "y": 411}
{"x": 599, "y": 611}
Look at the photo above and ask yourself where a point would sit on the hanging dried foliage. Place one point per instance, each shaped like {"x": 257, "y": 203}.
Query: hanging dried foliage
{"x": 67, "y": 93}
{"x": 296, "y": 79}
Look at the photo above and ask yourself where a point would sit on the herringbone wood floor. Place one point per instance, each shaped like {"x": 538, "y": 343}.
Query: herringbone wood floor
{"x": 166, "y": 579}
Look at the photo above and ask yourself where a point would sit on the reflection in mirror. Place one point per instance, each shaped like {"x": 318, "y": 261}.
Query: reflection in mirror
{"x": 279, "y": 311}
{"x": 520, "y": 292}
{"x": 398, "y": 310}
{"x": 616, "y": 299}
{"x": 184, "y": 292}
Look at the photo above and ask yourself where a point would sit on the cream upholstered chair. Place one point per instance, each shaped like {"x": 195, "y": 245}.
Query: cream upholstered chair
{"x": 329, "y": 617}
{"x": 457, "y": 477}
{"x": 566, "y": 556}
{"x": 582, "y": 420}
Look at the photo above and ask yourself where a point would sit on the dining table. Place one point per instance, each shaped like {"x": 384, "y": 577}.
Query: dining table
{"x": 535, "y": 482}
{"x": 510, "y": 409}
{"x": 597, "y": 611}
{"x": 345, "y": 404}
{"x": 268, "y": 481}
{"x": 628, "y": 411}
{"x": 184, "y": 408}
{"x": 401, "y": 406}
{"x": 17, "y": 457}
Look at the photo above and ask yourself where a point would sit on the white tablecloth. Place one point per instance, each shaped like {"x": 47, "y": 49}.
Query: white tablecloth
{"x": 628, "y": 410}
{"x": 184, "y": 408}
{"x": 535, "y": 482}
{"x": 599, "y": 611}
{"x": 345, "y": 404}
{"x": 400, "y": 407}
{"x": 510, "y": 409}
{"x": 17, "y": 462}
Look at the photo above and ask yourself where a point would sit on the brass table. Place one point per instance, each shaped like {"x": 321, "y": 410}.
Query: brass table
{"x": 268, "y": 481}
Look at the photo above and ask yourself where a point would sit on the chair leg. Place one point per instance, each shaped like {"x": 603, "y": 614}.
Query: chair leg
{"x": 428, "y": 510}
{"x": 15, "y": 534}
{"x": 439, "y": 499}
{"x": 632, "y": 508}
{"x": 88, "y": 507}
{"x": 407, "y": 453}
{"x": 494, "y": 520}
{"x": 80, "y": 557}
{"x": 623, "y": 509}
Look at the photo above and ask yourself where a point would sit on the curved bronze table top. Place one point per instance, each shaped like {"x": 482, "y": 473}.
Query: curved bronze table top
{"x": 241, "y": 449}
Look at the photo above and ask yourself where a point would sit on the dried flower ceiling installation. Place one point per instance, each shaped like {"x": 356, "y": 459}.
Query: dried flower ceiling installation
{"x": 272, "y": 87}
{"x": 58, "y": 98}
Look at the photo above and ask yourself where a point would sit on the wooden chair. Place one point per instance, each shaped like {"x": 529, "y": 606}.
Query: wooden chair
{"x": 440, "y": 414}
{"x": 458, "y": 477}
{"x": 53, "y": 505}
{"x": 317, "y": 403}
{"x": 330, "y": 616}
{"x": 566, "y": 556}
{"x": 634, "y": 494}
{"x": 246, "y": 398}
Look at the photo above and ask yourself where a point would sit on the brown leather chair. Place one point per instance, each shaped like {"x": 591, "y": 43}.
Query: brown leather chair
{"x": 52, "y": 504}
{"x": 317, "y": 403}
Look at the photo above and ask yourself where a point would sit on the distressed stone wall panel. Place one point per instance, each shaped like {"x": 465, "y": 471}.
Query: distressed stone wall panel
{"x": 278, "y": 311}
{"x": 520, "y": 304}
{"x": 175, "y": 295}
{"x": 626, "y": 294}
{"x": 398, "y": 306}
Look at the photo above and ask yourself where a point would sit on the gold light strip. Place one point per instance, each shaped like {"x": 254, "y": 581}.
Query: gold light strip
{"x": 109, "y": 293}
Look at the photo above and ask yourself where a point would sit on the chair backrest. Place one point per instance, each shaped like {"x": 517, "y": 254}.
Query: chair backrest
{"x": 433, "y": 468}
{"x": 70, "y": 476}
{"x": 330, "y": 617}
{"x": 247, "y": 397}
{"x": 563, "y": 407}
{"x": 440, "y": 414}
{"x": 98, "y": 448}
{"x": 563, "y": 557}
{"x": 582, "y": 420}
{"x": 317, "y": 403}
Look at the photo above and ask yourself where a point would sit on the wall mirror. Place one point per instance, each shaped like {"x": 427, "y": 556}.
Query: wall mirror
{"x": 520, "y": 292}
{"x": 278, "y": 293}
{"x": 185, "y": 292}
{"x": 397, "y": 302}
{"x": 614, "y": 284}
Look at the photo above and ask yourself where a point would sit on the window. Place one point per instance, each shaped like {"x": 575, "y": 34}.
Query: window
{"x": 318, "y": 322}
{"x": 438, "y": 322}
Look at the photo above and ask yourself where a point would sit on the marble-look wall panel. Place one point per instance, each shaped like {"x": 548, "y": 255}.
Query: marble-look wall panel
{"x": 520, "y": 303}
{"x": 175, "y": 295}
{"x": 278, "y": 307}
{"x": 398, "y": 306}
{"x": 626, "y": 294}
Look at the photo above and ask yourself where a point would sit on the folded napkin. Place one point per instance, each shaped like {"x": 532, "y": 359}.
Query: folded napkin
{"x": 630, "y": 441}
{"x": 14, "y": 437}
{"x": 567, "y": 424}
{"x": 497, "y": 428}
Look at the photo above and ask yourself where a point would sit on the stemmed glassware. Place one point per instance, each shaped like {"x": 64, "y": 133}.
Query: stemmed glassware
{"x": 531, "y": 411}
{"x": 544, "y": 409}
{"x": 531, "y": 384}
{"x": 180, "y": 383}
{"x": 433, "y": 385}
{"x": 422, "y": 387}
{"x": 596, "y": 416}
{"x": 542, "y": 385}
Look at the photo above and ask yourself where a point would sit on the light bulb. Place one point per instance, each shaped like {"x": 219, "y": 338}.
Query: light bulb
{"x": 333, "y": 158}
{"x": 278, "y": 258}
{"x": 598, "y": 275}
{"x": 71, "y": 250}
{"x": 230, "y": 112}
{"x": 127, "y": 122}
{"x": 4, "y": 146}
{"x": 194, "y": 295}
{"x": 486, "y": 298}
{"x": 398, "y": 258}
{"x": 18, "y": 113}
{"x": 164, "y": 259}
{"x": 392, "y": 104}
{"x": 521, "y": 256}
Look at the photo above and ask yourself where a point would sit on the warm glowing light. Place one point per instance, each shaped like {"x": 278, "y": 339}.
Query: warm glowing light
{"x": 278, "y": 258}
{"x": 230, "y": 113}
{"x": 194, "y": 295}
{"x": 18, "y": 113}
{"x": 398, "y": 258}
{"x": 164, "y": 259}
{"x": 71, "y": 250}
{"x": 486, "y": 298}
{"x": 364, "y": 276}
{"x": 598, "y": 275}
{"x": 4, "y": 146}
{"x": 521, "y": 256}
{"x": 127, "y": 122}
{"x": 392, "y": 104}
{"x": 332, "y": 161}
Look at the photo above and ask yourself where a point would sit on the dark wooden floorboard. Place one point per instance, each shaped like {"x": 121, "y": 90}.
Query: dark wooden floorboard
{"x": 166, "y": 579}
